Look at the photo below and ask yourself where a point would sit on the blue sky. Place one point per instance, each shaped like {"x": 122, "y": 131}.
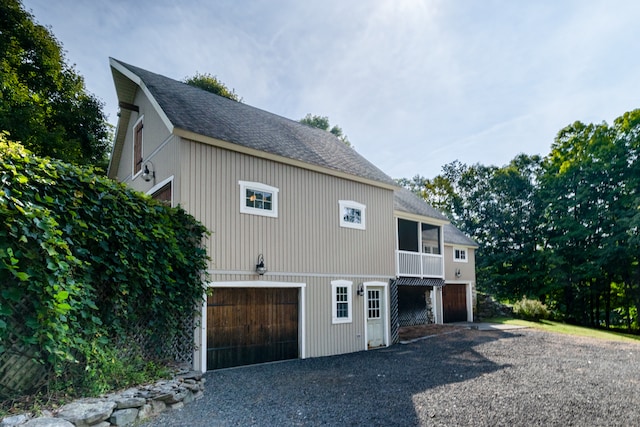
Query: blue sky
{"x": 414, "y": 84}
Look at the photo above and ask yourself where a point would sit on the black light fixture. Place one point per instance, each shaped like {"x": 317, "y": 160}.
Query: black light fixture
{"x": 148, "y": 174}
{"x": 260, "y": 268}
{"x": 360, "y": 290}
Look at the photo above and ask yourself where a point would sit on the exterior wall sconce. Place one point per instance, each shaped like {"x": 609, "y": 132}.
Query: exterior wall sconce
{"x": 458, "y": 273}
{"x": 260, "y": 268}
{"x": 149, "y": 174}
{"x": 360, "y": 290}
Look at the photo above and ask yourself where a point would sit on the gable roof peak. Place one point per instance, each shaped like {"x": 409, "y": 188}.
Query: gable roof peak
{"x": 204, "y": 113}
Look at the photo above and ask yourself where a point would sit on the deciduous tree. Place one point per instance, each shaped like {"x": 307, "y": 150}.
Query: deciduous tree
{"x": 322, "y": 122}
{"x": 43, "y": 101}
{"x": 210, "y": 83}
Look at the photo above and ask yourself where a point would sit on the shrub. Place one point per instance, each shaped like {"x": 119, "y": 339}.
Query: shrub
{"x": 530, "y": 309}
{"x": 86, "y": 263}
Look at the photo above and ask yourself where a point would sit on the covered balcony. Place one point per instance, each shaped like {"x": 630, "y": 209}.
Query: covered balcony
{"x": 419, "y": 250}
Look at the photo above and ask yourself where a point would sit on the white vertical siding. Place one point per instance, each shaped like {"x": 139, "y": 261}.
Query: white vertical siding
{"x": 306, "y": 236}
{"x": 304, "y": 244}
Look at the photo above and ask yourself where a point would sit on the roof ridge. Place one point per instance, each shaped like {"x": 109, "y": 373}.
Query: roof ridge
{"x": 205, "y": 113}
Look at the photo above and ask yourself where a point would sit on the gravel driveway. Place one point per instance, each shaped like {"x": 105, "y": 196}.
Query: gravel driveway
{"x": 468, "y": 377}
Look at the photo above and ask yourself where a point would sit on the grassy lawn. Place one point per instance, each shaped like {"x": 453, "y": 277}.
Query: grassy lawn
{"x": 563, "y": 328}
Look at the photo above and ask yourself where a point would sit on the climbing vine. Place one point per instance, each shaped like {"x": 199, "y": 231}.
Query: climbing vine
{"x": 84, "y": 259}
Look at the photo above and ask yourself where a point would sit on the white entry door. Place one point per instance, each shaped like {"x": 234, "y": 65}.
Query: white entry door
{"x": 375, "y": 317}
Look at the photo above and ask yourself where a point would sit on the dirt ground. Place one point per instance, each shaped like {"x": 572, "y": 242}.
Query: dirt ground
{"x": 408, "y": 333}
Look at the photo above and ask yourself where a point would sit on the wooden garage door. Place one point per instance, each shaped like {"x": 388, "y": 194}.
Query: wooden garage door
{"x": 454, "y": 303}
{"x": 251, "y": 325}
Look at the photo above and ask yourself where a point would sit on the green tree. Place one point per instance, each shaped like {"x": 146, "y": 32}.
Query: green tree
{"x": 210, "y": 83}
{"x": 43, "y": 101}
{"x": 322, "y": 122}
{"x": 564, "y": 229}
{"x": 590, "y": 191}
{"x": 499, "y": 209}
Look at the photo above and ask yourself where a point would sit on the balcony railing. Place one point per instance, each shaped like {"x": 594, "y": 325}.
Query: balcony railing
{"x": 415, "y": 264}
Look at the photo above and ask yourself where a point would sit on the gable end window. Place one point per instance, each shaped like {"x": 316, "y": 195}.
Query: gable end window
{"x": 258, "y": 199}
{"x": 137, "y": 147}
{"x": 460, "y": 255}
{"x": 352, "y": 214}
{"x": 341, "y": 304}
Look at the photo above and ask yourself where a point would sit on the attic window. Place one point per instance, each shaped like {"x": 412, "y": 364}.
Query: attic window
{"x": 258, "y": 199}
{"x": 352, "y": 214}
{"x": 137, "y": 147}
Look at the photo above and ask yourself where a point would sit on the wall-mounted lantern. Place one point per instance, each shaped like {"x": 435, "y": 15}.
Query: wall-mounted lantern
{"x": 149, "y": 174}
{"x": 260, "y": 268}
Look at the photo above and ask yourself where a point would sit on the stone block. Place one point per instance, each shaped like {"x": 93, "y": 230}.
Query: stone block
{"x": 47, "y": 422}
{"x": 188, "y": 398}
{"x": 84, "y": 414}
{"x": 14, "y": 420}
{"x": 130, "y": 402}
{"x": 145, "y": 412}
{"x": 123, "y": 417}
{"x": 178, "y": 405}
{"x": 191, "y": 375}
{"x": 158, "y": 406}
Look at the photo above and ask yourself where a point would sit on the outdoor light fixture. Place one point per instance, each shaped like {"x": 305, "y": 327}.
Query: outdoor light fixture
{"x": 260, "y": 268}
{"x": 360, "y": 290}
{"x": 458, "y": 273}
{"x": 147, "y": 174}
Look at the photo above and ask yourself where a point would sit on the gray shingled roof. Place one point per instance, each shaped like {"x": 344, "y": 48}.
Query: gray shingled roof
{"x": 405, "y": 201}
{"x": 196, "y": 110}
{"x": 456, "y": 237}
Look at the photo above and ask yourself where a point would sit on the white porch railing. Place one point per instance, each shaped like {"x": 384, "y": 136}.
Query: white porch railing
{"x": 415, "y": 264}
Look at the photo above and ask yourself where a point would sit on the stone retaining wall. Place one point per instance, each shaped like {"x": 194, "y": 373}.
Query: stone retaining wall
{"x": 121, "y": 408}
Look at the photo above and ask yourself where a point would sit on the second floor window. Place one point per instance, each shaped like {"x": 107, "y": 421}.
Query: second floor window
{"x": 258, "y": 199}
{"x": 352, "y": 214}
{"x": 459, "y": 255}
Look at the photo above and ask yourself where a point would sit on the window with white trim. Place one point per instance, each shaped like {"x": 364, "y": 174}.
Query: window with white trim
{"x": 341, "y": 301}
{"x": 137, "y": 146}
{"x": 460, "y": 255}
{"x": 258, "y": 199}
{"x": 352, "y": 214}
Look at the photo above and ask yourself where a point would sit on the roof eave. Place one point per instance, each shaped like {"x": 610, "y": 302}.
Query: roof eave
{"x": 187, "y": 134}
{"x": 125, "y": 81}
{"x": 415, "y": 217}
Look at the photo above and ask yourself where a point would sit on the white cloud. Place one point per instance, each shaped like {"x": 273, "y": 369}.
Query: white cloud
{"x": 414, "y": 84}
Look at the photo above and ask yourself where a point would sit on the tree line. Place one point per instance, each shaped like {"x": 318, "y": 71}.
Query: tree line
{"x": 563, "y": 228}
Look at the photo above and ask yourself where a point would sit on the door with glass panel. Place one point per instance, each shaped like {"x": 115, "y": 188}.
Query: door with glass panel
{"x": 375, "y": 309}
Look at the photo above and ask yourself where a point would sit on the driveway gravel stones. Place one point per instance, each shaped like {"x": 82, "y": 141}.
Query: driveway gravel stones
{"x": 466, "y": 378}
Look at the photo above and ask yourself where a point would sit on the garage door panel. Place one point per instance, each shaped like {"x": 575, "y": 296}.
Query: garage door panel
{"x": 251, "y": 325}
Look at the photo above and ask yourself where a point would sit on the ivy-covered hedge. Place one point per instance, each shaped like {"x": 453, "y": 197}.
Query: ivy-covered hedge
{"x": 83, "y": 259}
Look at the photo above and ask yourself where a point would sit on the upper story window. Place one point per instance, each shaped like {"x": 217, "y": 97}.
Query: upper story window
{"x": 258, "y": 199}
{"x": 352, "y": 214}
{"x": 460, "y": 255}
{"x": 341, "y": 301}
{"x": 137, "y": 146}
